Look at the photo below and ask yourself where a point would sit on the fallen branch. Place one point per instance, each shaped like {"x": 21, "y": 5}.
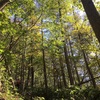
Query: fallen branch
{"x": 88, "y": 80}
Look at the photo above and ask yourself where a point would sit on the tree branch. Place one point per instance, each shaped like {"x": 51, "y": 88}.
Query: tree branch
{"x": 88, "y": 80}
{"x": 3, "y": 3}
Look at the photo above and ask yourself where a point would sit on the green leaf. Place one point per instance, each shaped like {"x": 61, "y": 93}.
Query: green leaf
{"x": 3, "y": 69}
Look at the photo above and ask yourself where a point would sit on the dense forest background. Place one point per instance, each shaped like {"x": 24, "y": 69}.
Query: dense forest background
{"x": 49, "y": 50}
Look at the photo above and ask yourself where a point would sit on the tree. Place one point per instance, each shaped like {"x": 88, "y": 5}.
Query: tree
{"x": 41, "y": 49}
{"x": 93, "y": 16}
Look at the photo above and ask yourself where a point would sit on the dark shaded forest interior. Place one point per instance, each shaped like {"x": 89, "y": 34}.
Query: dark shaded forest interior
{"x": 49, "y": 50}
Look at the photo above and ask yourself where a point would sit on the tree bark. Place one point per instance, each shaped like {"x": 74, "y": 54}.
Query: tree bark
{"x": 86, "y": 63}
{"x": 65, "y": 50}
{"x": 44, "y": 67}
{"x": 54, "y": 71}
{"x": 62, "y": 72}
{"x": 22, "y": 71}
{"x": 28, "y": 77}
{"x": 93, "y": 16}
{"x": 68, "y": 65}
{"x": 89, "y": 70}
{"x": 32, "y": 72}
{"x": 74, "y": 63}
{"x": 32, "y": 75}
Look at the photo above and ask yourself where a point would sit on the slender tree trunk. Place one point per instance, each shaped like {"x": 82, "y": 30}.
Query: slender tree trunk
{"x": 32, "y": 72}
{"x": 59, "y": 85}
{"x": 86, "y": 63}
{"x": 23, "y": 63}
{"x": 7, "y": 65}
{"x": 62, "y": 71}
{"x": 65, "y": 50}
{"x": 68, "y": 65}
{"x": 44, "y": 68}
{"x": 88, "y": 69}
{"x": 54, "y": 72}
{"x": 32, "y": 75}
{"x": 10, "y": 44}
{"x": 22, "y": 71}
{"x": 74, "y": 63}
{"x": 28, "y": 77}
{"x": 93, "y": 16}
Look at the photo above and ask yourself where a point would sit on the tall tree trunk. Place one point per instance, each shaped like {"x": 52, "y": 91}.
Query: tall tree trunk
{"x": 86, "y": 63}
{"x": 62, "y": 71}
{"x": 44, "y": 68}
{"x": 93, "y": 16}
{"x": 65, "y": 50}
{"x": 54, "y": 72}
{"x": 32, "y": 72}
{"x": 22, "y": 71}
{"x": 32, "y": 75}
{"x": 68, "y": 65}
{"x": 7, "y": 65}
{"x": 74, "y": 63}
{"x": 28, "y": 77}
{"x": 23, "y": 63}
{"x": 89, "y": 70}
